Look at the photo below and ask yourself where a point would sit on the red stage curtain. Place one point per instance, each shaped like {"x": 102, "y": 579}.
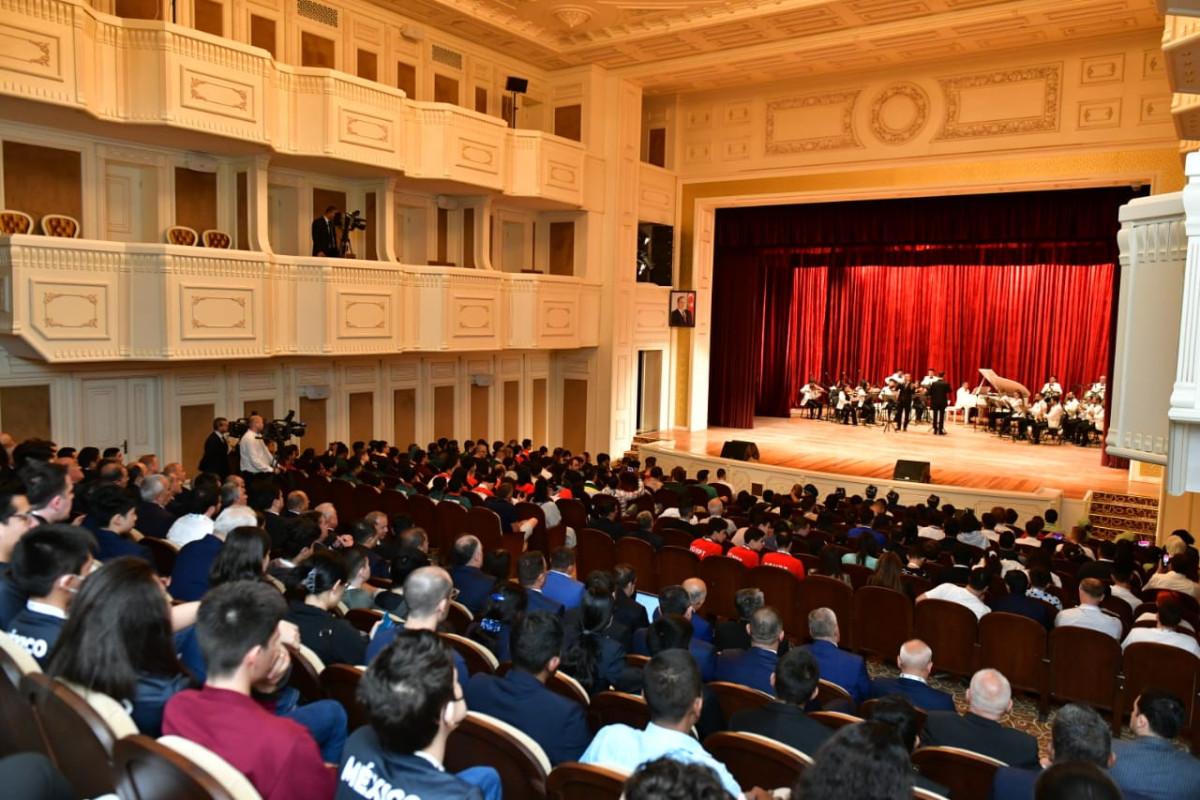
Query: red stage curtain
{"x": 1024, "y": 284}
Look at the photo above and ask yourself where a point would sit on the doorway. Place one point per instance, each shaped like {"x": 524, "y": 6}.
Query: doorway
{"x": 649, "y": 389}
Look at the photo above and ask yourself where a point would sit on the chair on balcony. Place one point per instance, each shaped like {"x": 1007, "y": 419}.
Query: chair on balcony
{"x": 181, "y": 235}
{"x": 62, "y": 226}
{"x": 215, "y": 238}
{"x": 15, "y": 222}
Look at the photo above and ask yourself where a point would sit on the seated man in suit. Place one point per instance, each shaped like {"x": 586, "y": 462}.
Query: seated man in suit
{"x": 674, "y": 600}
{"x": 697, "y": 593}
{"x": 1017, "y": 602}
{"x": 628, "y": 611}
{"x": 473, "y": 584}
{"x": 153, "y": 519}
{"x": 979, "y": 730}
{"x": 1149, "y": 766}
{"x": 898, "y": 712}
{"x": 1078, "y": 735}
{"x": 521, "y": 698}
{"x": 531, "y": 572}
{"x": 561, "y": 585}
{"x": 673, "y": 632}
{"x": 916, "y": 665}
{"x": 837, "y": 666}
{"x": 755, "y": 666}
{"x": 735, "y": 634}
{"x": 606, "y": 512}
{"x": 414, "y": 702}
{"x": 795, "y": 680}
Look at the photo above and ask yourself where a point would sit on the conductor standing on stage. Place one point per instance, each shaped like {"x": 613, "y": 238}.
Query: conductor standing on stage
{"x": 904, "y": 400}
{"x": 324, "y": 234}
{"x": 939, "y": 397}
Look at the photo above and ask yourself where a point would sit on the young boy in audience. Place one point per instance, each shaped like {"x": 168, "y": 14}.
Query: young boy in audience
{"x": 14, "y": 523}
{"x": 48, "y": 565}
{"x": 240, "y": 636}
{"x": 116, "y": 515}
{"x": 414, "y": 701}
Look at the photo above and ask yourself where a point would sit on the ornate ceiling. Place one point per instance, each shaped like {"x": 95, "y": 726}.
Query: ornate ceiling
{"x": 670, "y": 46}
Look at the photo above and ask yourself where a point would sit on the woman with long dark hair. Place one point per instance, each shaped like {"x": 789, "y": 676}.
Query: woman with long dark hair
{"x": 315, "y": 587}
{"x": 589, "y": 655}
{"x": 504, "y": 608}
{"x": 118, "y": 641}
{"x": 245, "y": 556}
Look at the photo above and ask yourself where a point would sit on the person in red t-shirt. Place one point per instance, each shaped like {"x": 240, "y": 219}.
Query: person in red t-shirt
{"x": 714, "y": 543}
{"x": 785, "y": 560}
{"x": 748, "y": 554}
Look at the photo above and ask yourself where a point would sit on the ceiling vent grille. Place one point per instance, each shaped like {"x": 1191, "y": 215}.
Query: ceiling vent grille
{"x": 448, "y": 57}
{"x": 326, "y": 15}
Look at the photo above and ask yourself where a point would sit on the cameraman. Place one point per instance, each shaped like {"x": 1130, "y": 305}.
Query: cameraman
{"x": 256, "y": 458}
{"x": 324, "y": 234}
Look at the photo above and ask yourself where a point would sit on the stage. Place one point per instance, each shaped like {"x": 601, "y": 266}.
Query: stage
{"x": 966, "y": 457}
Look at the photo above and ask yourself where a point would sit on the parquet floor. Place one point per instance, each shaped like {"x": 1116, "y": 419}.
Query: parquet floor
{"x": 964, "y": 457}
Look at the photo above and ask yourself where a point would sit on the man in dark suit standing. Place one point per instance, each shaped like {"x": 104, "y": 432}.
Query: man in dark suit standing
{"x": 521, "y": 698}
{"x": 784, "y": 720}
{"x": 979, "y": 730}
{"x": 216, "y": 450}
{"x": 916, "y": 664}
{"x": 938, "y": 394}
{"x": 324, "y": 234}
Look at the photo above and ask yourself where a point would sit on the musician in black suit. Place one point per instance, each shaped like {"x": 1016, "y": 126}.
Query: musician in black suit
{"x": 324, "y": 234}
{"x": 216, "y": 450}
{"x": 938, "y": 393}
{"x": 904, "y": 401}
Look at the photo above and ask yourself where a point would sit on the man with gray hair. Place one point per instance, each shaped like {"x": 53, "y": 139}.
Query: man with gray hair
{"x": 716, "y": 510}
{"x": 427, "y": 592}
{"x": 837, "y": 666}
{"x": 755, "y": 665}
{"x": 1078, "y": 735}
{"x": 189, "y": 580}
{"x": 697, "y": 591}
{"x": 916, "y": 665}
{"x": 153, "y": 519}
{"x": 979, "y": 730}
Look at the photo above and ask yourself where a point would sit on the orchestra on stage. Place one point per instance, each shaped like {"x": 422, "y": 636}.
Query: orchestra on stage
{"x": 1006, "y": 407}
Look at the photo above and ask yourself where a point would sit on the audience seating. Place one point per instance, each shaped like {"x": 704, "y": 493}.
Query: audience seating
{"x": 451, "y": 521}
{"x": 674, "y": 565}
{"x": 62, "y": 226}
{"x": 951, "y": 631}
{"x": 1119, "y": 608}
{"x": 216, "y": 238}
{"x": 162, "y": 552}
{"x": 478, "y": 657}
{"x": 1171, "y": 668}
{"x": 340, "y": 682}
{"x": 364, "y": 619}
{"x": 609, "y": 708}
{"x": 724, "y": 576}
{"x": 755, "y": 760}
{"x": 835, "y": 719}
{"x": 181, "y": 235}
{"x": 459, "y": 617}
{"x": 81, "y": 738}
{"x": 818, "y": 591}
{"x": 12, "y": 222}
{"x": 964, "y": 773}
{"x": 22, "y": 729}
{"x": 486, "y": 741}
{"x": 305, "y": 676}
{"x": 864, "y": 711}
{"x": 734, "y": 697}
{"x": 1095, "y": 685}
{"x": 636, "y": 661}
{"x": 676, "y": 537}
{"x": 925, "y": 794}
{"x": 859, "y": 574}
{"x": 424, "y": 515}
{"x": 828, "y": 692}
{"x": 595, "y": 549}
{"x": 779, "y": 588}
{"x": 1016, "y": 646}
{"x": 574, "y": 514}
{"x": 574, "y": 781}
{"x": 563, "y": 684}
{"x": 640, "y": 555}
{"x": 883, "y": 621}
{"x": 171, "y": 769}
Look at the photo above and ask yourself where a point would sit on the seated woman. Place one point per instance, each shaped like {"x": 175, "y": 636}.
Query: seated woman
{"x": 504, "y": 607}
{"x": 314, "y": 588}
{"x": 888, "y": 573}
{"x": 592, "y": 657}
{"x": 831, "y": 563}
{"x": 118, "y": 641}
{"x": 866, "y": 554}
{"x": 245, "y": 556}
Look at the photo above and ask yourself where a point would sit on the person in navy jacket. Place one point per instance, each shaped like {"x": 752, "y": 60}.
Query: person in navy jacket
{"x": 674, "y": 600}
{"x": 153, "y": 518}
{"x": 49, "y": 564}
{"x": 837, "y": 666}
{"x": 473, "y": 584}
{"x": 916, "y": 665}
{"x": 561, "y": 585}
{"x": 755, "y": 666}
{"x": 531, "y": 572}
{"x": 116, "y": 515}
{"x": 189, "y": 580}
{"x": 521, "y": 698}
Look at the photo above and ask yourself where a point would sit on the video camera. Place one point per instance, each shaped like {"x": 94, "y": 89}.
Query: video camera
{"x": 277, "y": 430}
{"x": 351, "y": 221}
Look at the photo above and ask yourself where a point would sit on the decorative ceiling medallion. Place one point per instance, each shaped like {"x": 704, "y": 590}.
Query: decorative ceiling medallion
{"x": 572, "y": 16}
{"x": 899, "y": 113}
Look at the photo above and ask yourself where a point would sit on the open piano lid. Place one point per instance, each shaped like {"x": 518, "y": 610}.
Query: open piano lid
{"x": 1004, "y": 384}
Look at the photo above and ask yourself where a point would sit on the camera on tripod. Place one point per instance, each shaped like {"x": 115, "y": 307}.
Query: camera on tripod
{"x": 277, "y": 430}
{"x": 351, "y": 221}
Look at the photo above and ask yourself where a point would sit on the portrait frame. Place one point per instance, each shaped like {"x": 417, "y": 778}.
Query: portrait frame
{"x": 682, "y": 316}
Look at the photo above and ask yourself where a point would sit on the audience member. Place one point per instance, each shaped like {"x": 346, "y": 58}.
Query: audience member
{"x": 795, "y": 682}
{"x": 1075, "y": 781}
{"x": 1077, "y": 735}
{"x": 837, "y": 666}
{"x": 697, "y": 592}
{"x": 14, "y": 523}
{"x": 1150, "y": 766}
{"x": 628, "y": 611}
{"x": 521, "y": 698}
{"x": 988, "y": 699}
{"x": 1088, "y": 614}
{"x": 1017, "y": 601}
{"x": 898, "y": 712}
{"x": 240, "y": 635}
{"x": 153, "y": 518}
{"x": 916, "y": 665}
{"x": 1167, "y": 631}
{"x": 48, "y": 566}
{"x": 414, "y": 701}
{"x": 713, "y": 542}
{"x": 755, "y": 666}
{"x": 115, "y": 514}
{"x": 314, "y": 589}
{"x": 668, "y": 779}
{"x": 675, "y": 600}
{"x": 531, "y": 572}
{"x": 735, "y": 634}
{"x": 493, "y": 627}
{"x": 49, "y": 491}
{"x": 594, "y": 659}
{"x": 473, "y": 584}
{"x": 427, "y": 592}
{"x": 674, "y": 632}
{"x": 970, "y": 596}
{"x": 866, "y": 760}
{"x": 189, "y": 579}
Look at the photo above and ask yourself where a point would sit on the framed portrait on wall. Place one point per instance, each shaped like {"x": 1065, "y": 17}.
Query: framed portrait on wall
{"x": 683, "y": 309}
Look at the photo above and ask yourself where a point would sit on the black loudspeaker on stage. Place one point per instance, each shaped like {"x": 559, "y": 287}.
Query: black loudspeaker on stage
{"x": 739, "y": 450}
{"x": 911, "y": 471}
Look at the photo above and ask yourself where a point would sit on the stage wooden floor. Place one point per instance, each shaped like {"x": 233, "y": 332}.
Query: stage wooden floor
{"x": 963, "y": 457}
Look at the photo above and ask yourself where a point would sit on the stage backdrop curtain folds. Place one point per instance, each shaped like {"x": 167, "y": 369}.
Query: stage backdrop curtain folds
{"x": 1022, "y": 283}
